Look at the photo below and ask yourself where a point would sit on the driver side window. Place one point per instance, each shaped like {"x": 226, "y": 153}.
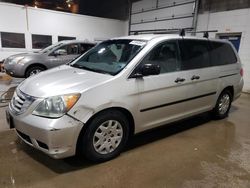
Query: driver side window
{"x": 166, "y": 55}
{"x": 70, "y": 49}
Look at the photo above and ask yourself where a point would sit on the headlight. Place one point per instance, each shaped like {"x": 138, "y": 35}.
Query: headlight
{"x": 57, "y": 106}
{"x": 15, "y": 60}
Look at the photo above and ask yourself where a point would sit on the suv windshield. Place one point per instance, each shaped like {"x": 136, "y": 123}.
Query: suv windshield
{"x": 109, "y": 57}
{"x": 51, "y": 47}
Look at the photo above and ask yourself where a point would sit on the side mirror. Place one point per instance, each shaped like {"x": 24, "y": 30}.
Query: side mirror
{"x": 150, "y": 69}
{"x": 60, "y": 52}
{"x": 147, "y": 70}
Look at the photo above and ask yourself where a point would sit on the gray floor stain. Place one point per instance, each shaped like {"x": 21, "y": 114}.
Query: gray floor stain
{"x": 233, "y": 171}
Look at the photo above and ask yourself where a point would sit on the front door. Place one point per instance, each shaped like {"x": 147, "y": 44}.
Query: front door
{"x": 63, "y": 55}
{"x": 162, "y": 97}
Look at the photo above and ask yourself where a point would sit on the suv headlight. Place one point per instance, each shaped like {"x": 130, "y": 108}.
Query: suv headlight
{"x": 15, "y": 60}
{"x": 56, "y": 106}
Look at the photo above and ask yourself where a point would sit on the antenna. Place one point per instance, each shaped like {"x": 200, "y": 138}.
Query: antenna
{"x": 206, "y": 34}
{"x": 182, "y": 32}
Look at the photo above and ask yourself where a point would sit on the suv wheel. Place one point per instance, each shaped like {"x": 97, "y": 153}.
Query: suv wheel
{"x": 223, "y": 105}
{"x": 33, "y": 71}
{"x": 105, "y": 136}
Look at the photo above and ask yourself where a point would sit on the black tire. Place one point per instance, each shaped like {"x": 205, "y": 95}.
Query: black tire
{"x": 33, "y": 69}
{"x": 217, "y": 112}
{"x": 87, "y": 148}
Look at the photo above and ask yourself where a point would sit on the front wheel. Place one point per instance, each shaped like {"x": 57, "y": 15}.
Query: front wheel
{"x": 105, "y": 137}
{"x": 223, "y": 105}
{"x": 33, "y": 71}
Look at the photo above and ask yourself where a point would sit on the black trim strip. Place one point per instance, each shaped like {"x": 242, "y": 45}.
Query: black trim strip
{"x": 228, "y": 75}
{"x": 176, "y": 102}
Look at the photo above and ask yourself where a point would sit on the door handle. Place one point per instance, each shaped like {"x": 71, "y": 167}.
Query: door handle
{"x": 179, "y": 80}
{"x": 194, "y": 77}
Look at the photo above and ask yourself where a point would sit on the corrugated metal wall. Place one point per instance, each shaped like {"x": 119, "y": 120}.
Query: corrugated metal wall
{"x": 162, "y": 14}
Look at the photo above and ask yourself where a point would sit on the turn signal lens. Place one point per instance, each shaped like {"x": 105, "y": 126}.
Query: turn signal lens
{"x": 70, "y": 100}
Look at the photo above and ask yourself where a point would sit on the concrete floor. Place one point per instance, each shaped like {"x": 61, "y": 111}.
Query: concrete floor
{"x": 198, "y": 152}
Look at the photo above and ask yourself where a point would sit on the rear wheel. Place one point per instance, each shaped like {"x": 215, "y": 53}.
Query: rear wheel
{"x": 33, "y": 71}
{"x": 105, "y": 137}
{"x": 223, "y": 105}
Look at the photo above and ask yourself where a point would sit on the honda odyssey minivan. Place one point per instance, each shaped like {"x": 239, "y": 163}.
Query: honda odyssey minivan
{"x": 121, "y": 87}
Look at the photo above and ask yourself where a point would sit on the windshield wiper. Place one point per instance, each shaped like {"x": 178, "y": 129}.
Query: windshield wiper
{"x": 90, "y": 69}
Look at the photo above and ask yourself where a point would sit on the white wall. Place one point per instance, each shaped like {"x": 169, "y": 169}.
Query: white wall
{"x": 16, "y": 18}
{"x": 235, "y": 21}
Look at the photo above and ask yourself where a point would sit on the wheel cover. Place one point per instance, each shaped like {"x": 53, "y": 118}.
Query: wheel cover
{"x": 34, "y": 72}
{"x": 107, "y": 137}
{"x": 224, "y": 103}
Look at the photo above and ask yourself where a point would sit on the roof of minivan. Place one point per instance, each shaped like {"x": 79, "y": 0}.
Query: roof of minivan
{"x": 76, "y": 41}
{"x": 149, "y": 37}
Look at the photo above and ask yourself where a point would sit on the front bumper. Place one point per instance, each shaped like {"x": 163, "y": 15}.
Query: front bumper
{"x": 14, "y": 70}
{"x": 55, "y": 137}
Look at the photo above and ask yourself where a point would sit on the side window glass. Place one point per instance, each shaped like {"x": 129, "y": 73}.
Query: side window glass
{"x": 70, "y": 49}
{"x": 84, "y": 48}
{"x": 194, "y": 54}
{"x": 165, "y": 55}
{"x": 222, "y": 54}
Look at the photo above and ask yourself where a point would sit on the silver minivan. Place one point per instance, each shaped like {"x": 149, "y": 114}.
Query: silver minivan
{"x": 28, "y": 64}
{"x": 121, "y": 87}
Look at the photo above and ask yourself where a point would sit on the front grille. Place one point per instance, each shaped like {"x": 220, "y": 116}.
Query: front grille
{"x": 20, "y": 102}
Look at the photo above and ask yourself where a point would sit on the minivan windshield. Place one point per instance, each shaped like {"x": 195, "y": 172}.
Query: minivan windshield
{"x": 50, "y": 48}
{"x": 109, "y": 57}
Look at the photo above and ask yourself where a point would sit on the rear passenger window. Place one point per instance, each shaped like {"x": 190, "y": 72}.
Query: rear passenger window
{"x": 166, "y": 55}
{"x": 222, "y": 54}
{"x": 194, "y": 54}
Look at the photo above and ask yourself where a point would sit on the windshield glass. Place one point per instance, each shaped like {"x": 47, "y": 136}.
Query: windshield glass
{"x": 109, "y": 57}
{"x": 51, "y": 47}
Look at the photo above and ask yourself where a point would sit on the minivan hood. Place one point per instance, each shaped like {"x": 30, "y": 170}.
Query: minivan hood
{"x": 61, "y": 80}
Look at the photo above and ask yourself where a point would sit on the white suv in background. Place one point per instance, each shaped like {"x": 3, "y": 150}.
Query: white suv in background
{"x": 122, "y": 87}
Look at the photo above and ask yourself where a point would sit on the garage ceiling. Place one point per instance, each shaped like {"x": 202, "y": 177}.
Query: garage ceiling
{"x": 119, "y": 9}
{"x": 110, "y": 9}
{"x": 116, "y": 9}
